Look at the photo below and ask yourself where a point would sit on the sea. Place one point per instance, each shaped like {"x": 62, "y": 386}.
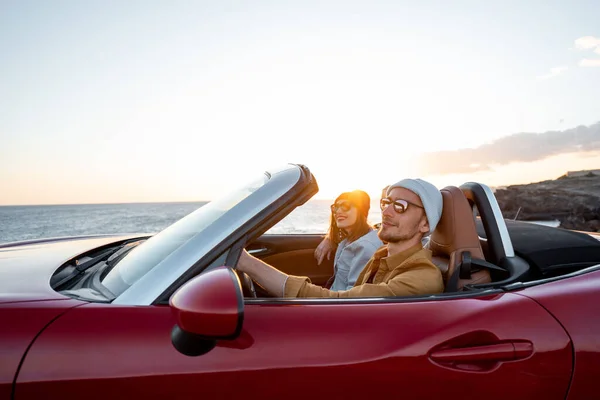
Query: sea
{"x": 49, "y": 221}
{"x": 19, "y": 223}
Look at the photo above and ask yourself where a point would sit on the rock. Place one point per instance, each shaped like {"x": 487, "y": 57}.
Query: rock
{"x": 574, "y": 201}
{"x": 593, "y": 225}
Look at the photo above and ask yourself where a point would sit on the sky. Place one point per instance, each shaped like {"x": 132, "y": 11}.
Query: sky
{"x": 143, "y": 101}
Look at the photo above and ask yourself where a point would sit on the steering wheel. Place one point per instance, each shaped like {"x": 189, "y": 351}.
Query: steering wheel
{"x": 248, "y": 288}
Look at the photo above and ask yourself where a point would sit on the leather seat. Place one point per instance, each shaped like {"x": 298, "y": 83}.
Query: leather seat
{"x": 455, "y": 243}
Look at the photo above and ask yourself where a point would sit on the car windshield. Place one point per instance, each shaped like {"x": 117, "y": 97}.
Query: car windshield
{"x": 160, "y": 246}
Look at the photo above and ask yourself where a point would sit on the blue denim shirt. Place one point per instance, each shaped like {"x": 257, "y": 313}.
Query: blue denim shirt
{"x": 351, "y": 258}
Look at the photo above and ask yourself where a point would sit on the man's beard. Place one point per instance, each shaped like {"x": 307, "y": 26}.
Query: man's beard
{"x": 388, "y": 236}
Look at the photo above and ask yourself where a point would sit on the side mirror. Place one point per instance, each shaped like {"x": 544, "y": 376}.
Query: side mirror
{"x": 207, "y": 308}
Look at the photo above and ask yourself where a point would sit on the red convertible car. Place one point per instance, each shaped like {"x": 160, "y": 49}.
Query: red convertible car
{"x": 168, "y": 316}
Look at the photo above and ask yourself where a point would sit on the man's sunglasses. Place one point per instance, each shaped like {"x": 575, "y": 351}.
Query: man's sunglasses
{"x": 345, "y": 206}
{"x": 400, "y": 206}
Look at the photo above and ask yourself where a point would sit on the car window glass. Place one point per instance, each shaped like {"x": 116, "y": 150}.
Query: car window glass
{"x": 158, "y": 247}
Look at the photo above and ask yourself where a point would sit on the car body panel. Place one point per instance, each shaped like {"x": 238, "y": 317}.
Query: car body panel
{"x": 292, "y": 350}
{"x": 26, "y": 269}
{"x": 575, "y": 302}
{"x": 21, "y": 322}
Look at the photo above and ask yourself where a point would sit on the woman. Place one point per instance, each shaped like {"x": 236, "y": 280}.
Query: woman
{"x": 351, "y": 234}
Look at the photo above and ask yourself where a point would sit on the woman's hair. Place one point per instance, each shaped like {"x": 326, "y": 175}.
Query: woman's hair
{"x": 362, "y": 202}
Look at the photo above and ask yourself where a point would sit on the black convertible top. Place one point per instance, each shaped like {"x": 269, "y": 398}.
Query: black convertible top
{"x": 550, "y": 249}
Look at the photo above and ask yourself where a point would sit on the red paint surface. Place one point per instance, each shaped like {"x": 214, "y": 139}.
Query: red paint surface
{"x": 208, "y": 304}
{"x": 305, "y": 351}
{"x": 20, "y": 323}
{"x": 576, "y": 303}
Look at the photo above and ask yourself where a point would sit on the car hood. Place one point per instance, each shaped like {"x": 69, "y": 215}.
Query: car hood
{"x": 26, "y": 267}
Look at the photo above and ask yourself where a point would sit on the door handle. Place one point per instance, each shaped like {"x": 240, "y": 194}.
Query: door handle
{"x": 499, "y": 352}
{"x": 258, "y": 252}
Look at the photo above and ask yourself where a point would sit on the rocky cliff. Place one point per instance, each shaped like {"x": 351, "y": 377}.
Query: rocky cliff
{"x": 574, "y": 201}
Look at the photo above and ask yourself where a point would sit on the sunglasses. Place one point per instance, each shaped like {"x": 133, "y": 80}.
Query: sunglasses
{"x": 345, "y": 206}
{"x": 400, "y": 206}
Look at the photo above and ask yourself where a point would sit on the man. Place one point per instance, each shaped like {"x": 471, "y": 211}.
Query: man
{"x": 402, "y": 267}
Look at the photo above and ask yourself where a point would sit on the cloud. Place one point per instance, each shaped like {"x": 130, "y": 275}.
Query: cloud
{"x": 586, "y": 62}
{"x": 587, "y": 43}
{"x": 553, "y": 72}
{"x": 519, "y": 147}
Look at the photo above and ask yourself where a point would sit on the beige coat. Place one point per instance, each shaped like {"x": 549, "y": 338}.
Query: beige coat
{"x": 408, "y": 273}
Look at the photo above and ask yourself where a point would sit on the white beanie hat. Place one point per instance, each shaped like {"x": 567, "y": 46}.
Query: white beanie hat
{"x": 430, "y": 197}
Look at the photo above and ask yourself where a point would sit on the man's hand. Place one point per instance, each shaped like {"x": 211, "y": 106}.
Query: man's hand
{"x": 323, "y": 250}
{"x": 265, "y": 275}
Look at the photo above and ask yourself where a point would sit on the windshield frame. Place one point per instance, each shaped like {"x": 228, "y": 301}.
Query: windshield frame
{"x": 199, "y": 250}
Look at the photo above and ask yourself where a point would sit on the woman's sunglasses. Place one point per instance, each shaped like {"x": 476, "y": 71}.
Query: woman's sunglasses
{"x": 400, "y": 206}
{"x": 345, "y": 206}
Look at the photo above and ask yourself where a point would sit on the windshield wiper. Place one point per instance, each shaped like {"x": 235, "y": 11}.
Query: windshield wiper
{"x": 81, "y": 268}
{"x": 121, "y": 253}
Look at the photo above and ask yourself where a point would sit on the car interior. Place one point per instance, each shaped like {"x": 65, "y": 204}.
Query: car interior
{"x": 474, "y": 247}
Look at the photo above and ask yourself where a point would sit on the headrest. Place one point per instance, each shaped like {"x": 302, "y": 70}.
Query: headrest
{"x": 456, "y": 230}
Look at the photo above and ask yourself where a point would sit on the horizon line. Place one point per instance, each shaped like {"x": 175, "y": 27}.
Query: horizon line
{"x": 120, "y": 203}
{"x": 108, "y": 203}
{"x": 208, "y": 201}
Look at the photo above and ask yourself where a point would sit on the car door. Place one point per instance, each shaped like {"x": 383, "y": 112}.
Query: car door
{"x": 493, "y": 346}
